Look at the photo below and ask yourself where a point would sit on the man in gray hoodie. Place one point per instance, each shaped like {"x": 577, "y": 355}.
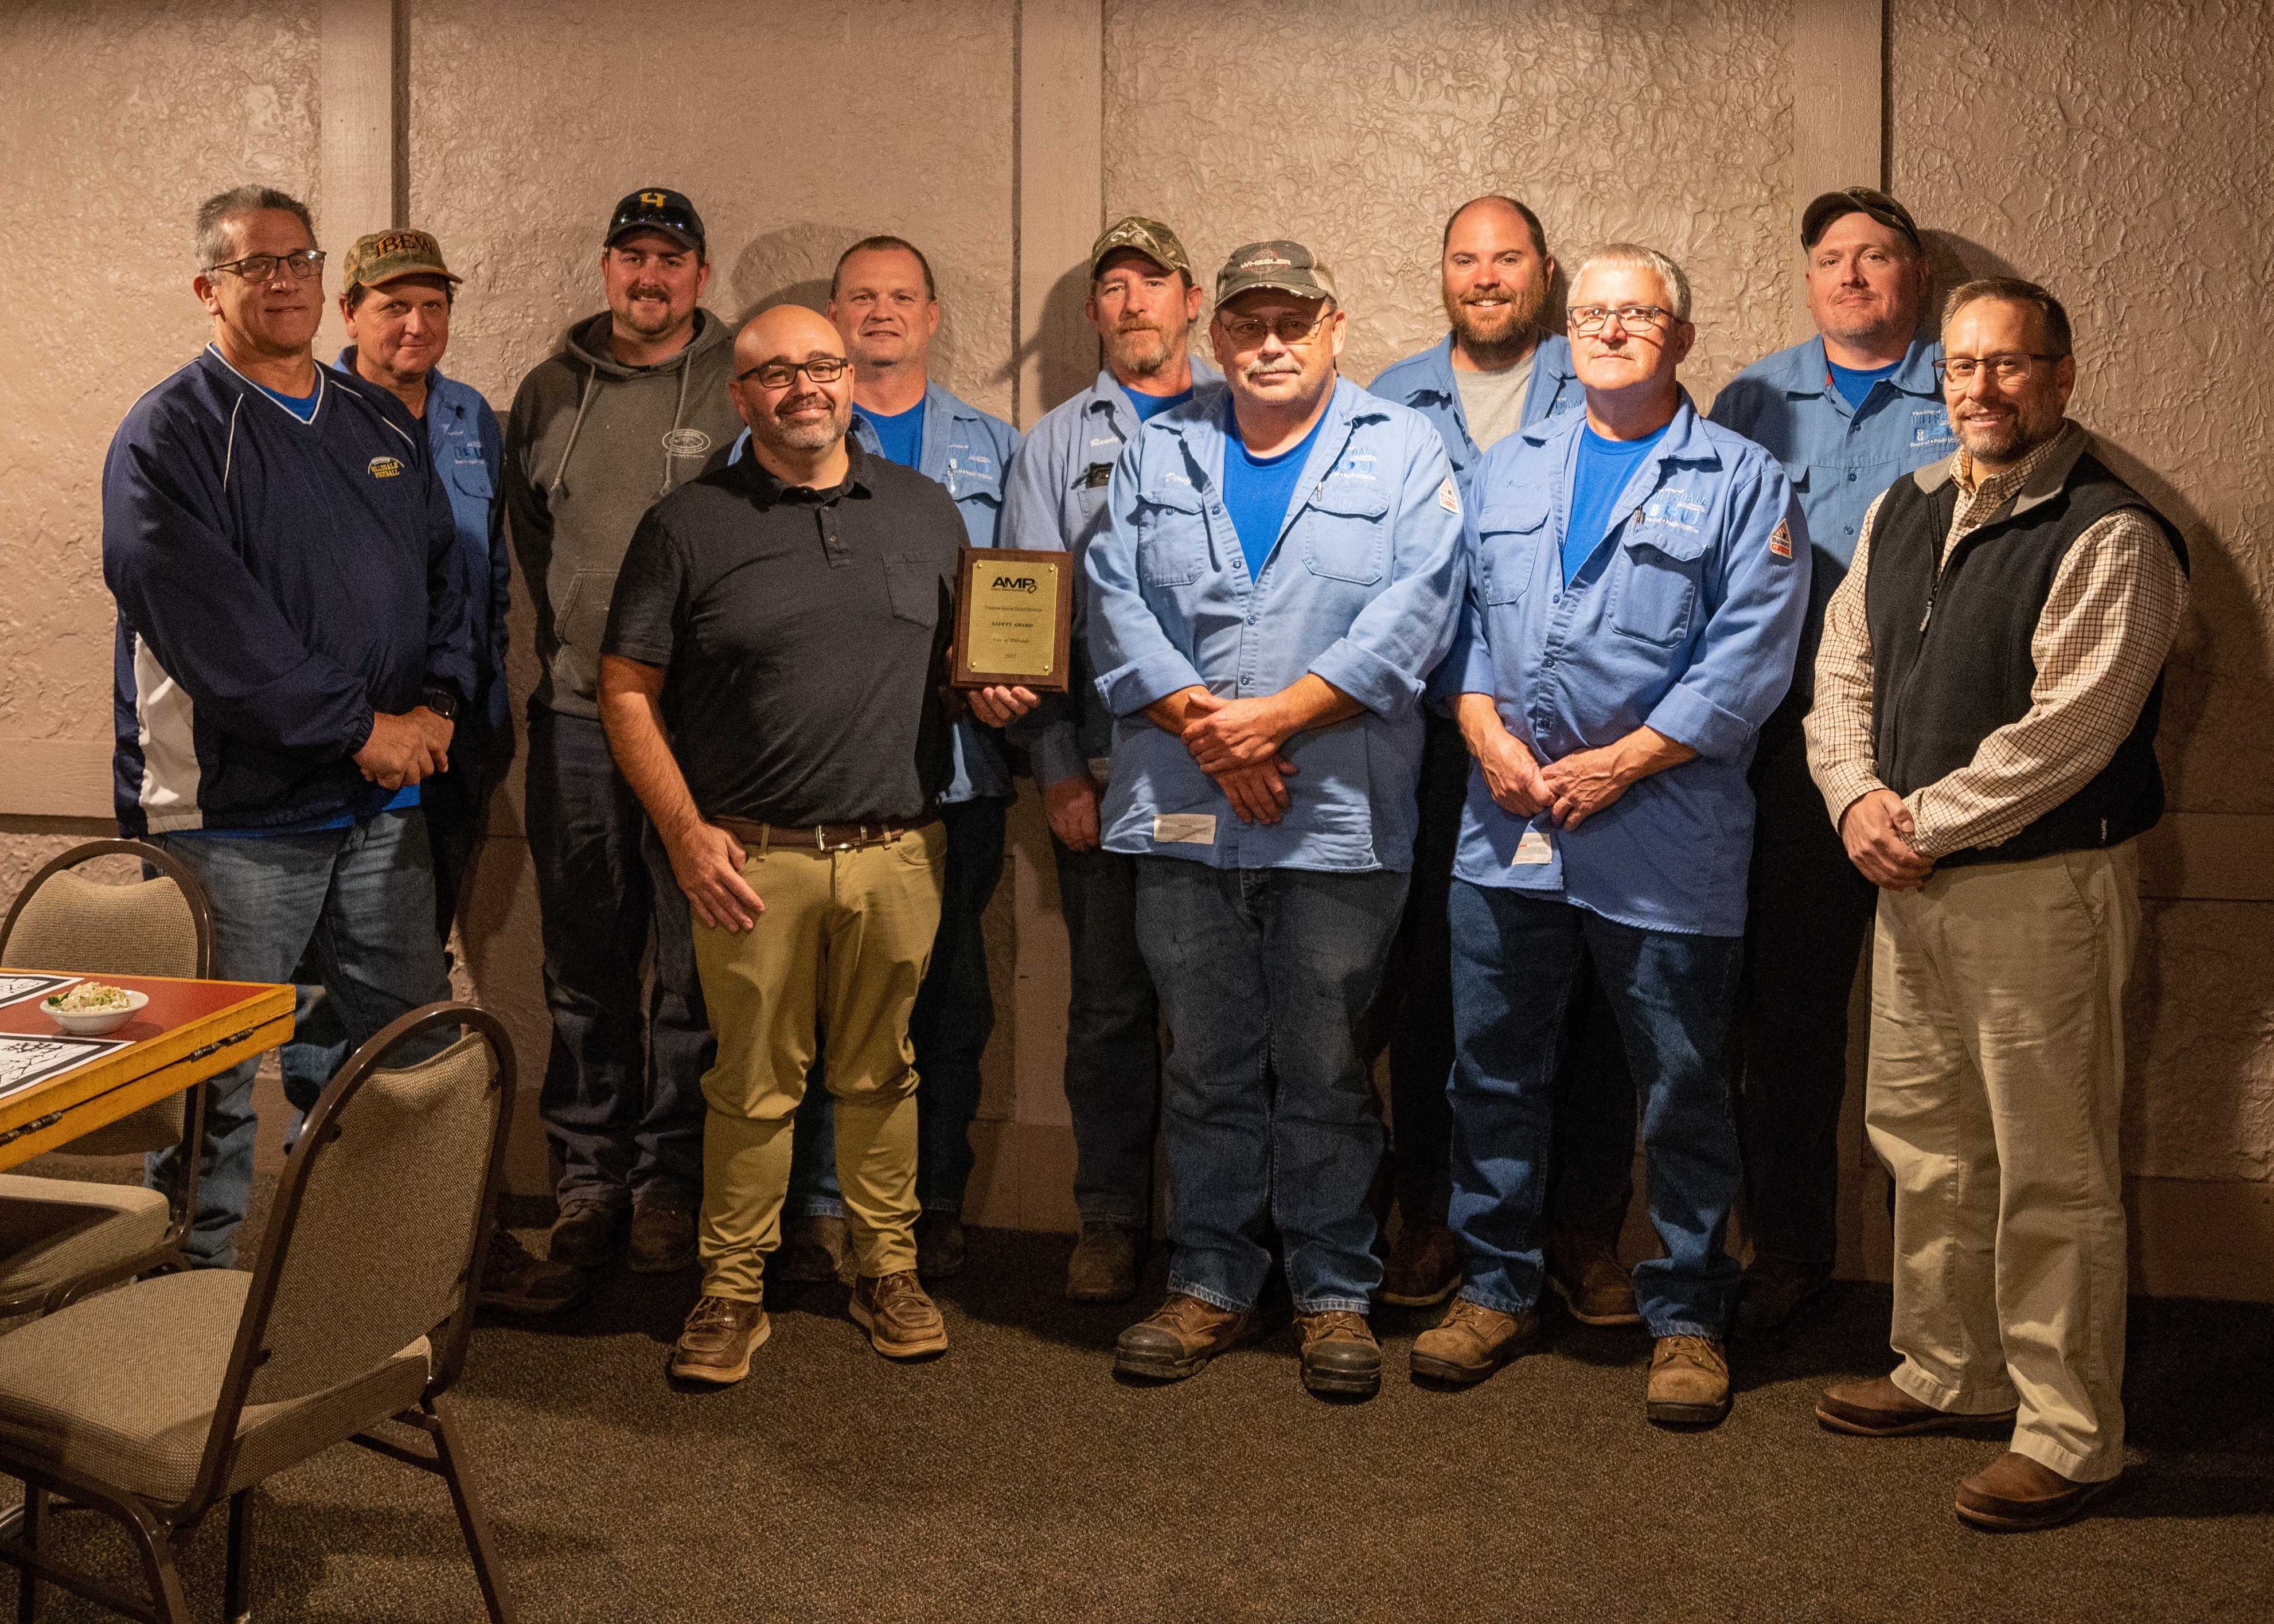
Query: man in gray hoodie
{"x": 630, "y": 407}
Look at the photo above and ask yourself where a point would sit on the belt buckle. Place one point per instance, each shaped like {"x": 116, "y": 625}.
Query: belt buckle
{"x": 858, "y": 840}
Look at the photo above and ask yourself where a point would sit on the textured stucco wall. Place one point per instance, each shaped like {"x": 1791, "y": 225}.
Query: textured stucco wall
{"x": 2113, "y": 152}
{"x": 1354, "y": 127}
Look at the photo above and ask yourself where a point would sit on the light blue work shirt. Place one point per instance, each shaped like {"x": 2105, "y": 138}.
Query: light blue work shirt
{"x": 469, "y": 452}
{"x": 1363, "y": 590}
{"x": 968, "y": 451}
{"x": 1839, "y": 459}
{"x": 1056, "y": 502}
{"x": 1686, "y": 621}
{"x": 1425, "y": 381}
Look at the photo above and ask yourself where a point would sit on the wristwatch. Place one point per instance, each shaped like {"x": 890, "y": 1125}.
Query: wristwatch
{"x": 440, "y": 700}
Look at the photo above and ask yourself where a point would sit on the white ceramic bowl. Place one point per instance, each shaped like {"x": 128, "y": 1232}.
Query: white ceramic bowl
{"x": 93, "y": 1023}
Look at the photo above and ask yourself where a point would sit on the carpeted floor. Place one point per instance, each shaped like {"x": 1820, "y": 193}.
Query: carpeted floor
{"x": 1014, "y": 1478}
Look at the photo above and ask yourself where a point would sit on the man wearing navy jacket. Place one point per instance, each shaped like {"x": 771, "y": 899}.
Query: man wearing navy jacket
{"x": 293, "y": 647}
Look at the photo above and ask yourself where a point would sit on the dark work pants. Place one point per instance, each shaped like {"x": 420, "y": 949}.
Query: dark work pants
{"x": 457, "y": 807}
{"x": 1113, "y": 1038}
{"x": 623, "y": 1099}
{"x": 1592, "y": 1179}
{"x": 1805, "y": 922}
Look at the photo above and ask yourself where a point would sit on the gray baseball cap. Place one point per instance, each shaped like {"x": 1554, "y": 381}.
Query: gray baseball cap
{"x": 1285, "y": 267}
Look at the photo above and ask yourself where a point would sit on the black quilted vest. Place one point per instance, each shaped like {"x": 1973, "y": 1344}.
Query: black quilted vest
{"x": 1950, "y": 650}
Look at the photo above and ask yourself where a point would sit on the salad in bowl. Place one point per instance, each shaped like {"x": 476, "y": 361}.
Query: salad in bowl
{"x": 91, "y": 1008}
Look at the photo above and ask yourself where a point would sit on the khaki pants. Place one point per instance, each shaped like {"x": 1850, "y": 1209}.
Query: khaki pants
{"x": 837, "y": 954}
{"x": 1996, "y": 1082}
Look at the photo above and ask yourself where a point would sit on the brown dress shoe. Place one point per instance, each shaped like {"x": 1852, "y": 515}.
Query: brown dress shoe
{"x": 939, "y": 1245}
{"x": 1879, "y": 1409}
{"x": 515, "y": 1282}
{"x": 903, "y": 1322}
{"x": 587, "y": 1235}
{"x": 716, "y": 1344}
{"x": 1179, "y": 1337}
{"x": 663, "y": 1237}
{"x": 1472, "y": 1342}
{"x": 2014, "y": 1494}
{"x": 1423, "y": 1266}
{"x": 1339, "y": 1353}
{"x": 1584, "y": 1271}
{"x": 1689, "y": 1381}
{"x": 1103, "y": 1268}
{"x": 813, "y": 1249}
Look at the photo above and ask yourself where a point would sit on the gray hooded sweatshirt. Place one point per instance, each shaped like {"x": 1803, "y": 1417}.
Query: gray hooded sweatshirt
{"x": 591, "y": 446}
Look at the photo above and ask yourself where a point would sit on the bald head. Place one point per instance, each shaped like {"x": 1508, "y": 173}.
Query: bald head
{"x": 794, "y": 416}
{"x": 1502, "y": 211}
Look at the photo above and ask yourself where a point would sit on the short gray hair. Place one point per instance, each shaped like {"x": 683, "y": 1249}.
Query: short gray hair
{"x": 1639, "y": 258}
{"x": 215, "y": 213}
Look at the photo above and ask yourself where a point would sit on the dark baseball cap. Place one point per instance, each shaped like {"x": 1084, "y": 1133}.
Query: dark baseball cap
{"x": 1285, "y": 267}
{"x": 1149, "y": 238}
{"x": 656, "y": 208}
{"x": 1856, "y": 200}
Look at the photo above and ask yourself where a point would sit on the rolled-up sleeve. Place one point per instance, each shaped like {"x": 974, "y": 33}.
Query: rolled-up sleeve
{"x": 1135, "y": 661}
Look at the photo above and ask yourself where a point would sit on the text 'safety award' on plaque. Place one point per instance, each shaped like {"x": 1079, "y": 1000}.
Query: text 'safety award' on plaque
{"x": 1013, "y": 619}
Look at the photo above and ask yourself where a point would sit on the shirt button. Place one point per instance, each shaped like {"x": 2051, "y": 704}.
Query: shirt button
{"x": 1851, "y": 477}
{"x": 1244, "y": 682}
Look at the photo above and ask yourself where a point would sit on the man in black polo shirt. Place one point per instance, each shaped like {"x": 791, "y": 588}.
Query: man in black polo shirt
{"x": 769, "y": 684}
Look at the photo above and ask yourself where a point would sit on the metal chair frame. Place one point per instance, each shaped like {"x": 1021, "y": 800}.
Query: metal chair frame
{"x": 159, "y": 1530}
{"x": 167, "y": 1257}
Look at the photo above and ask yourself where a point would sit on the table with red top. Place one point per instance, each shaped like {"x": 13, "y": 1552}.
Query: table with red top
{"x": 188, "y": 1032}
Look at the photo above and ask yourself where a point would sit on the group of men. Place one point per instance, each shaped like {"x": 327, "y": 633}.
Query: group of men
{"x": 1507, "y": 714}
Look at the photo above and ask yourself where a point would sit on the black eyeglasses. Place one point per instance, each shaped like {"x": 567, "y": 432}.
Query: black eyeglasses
{"x": 262, "y": 267}
{"x": 781, "y": 374}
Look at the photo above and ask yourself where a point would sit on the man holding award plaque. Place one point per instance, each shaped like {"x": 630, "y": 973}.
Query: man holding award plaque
{"x": 1279, "y": 574}
{"x": 1142, "y": 302}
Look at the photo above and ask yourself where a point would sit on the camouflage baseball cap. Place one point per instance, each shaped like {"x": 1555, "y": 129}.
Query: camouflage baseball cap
{"x": 1149, "y": 238}
{"x": 1289, "y": 267}
{"x": 383, "y": 256}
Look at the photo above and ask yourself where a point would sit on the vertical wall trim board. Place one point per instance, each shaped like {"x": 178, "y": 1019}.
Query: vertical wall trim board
{"x": 1060, "y": 192}
{"x": 1839, "y": 96}
{"x": 362, "y": 98}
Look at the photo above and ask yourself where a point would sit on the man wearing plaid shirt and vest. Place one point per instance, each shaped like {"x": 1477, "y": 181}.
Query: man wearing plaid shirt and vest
{"x": 1987, "y": 694}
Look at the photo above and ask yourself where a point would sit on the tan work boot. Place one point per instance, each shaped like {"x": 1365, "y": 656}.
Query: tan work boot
{"x": 1103, "y": 1268}
{"x": 1879, "y": 1409}
{"x": 1339, "y": 1353}
{"x": 1472, "y": 1342}
{"x": 813, "y": 1249}
{"x": 1586, "y": 1272}
{"x": 901, "y": 1319}
{"x": 1423, "y": 1267}
{"x": 1689, "y": 1381}
{"x": 1179, "y": 1337}
{"x": 2014, "y": 1494}
{"x": 719, "y": 1338}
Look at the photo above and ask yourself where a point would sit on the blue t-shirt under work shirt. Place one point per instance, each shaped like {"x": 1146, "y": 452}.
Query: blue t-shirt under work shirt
{"x": 1258, "y": 489}
{"x": 1856, "y": 385}
{"x": 901, "y": 436}
{"x": 1600, "y": 473}
{"x": 1148, "y": 407}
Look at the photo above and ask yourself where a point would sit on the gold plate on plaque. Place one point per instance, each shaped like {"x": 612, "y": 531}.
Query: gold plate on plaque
{"x": 1013, "y": 619}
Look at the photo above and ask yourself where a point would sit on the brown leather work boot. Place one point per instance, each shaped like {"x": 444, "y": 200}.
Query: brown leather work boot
{"x": 813, "y": 1249}
{"x": 1880, "y": 1408}
{"x": 1774, "y": 1288}
{"x": 1103, "y": 1268}
{"x": 1179, "y": 1337}
{"x": 1586, "y": 1272}
{"x": 1423, "y": 1267}
{"x": 718, "y": 1340}
{"x": 2014, "y": 1494}
{"x": 663, "y": 1237}
{"x": 1472, "y": 1342}
{"x": 587, "y": 1235}
{"x": 1339, "y": 1353}
{"x": 1689, "y": 1381}
{"x": 901, "y": 1319}
{"x": 515, "y": 1282}
{"x": 939, "y": 1245}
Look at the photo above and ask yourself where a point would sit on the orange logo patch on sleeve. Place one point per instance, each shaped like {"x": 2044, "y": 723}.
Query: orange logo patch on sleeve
{"x": 1781, "y": 540}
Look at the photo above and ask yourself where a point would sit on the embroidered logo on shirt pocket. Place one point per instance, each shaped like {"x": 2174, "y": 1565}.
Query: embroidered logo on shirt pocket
{"x": 1657, "y": 584}
{"x": 1344, "y": 537}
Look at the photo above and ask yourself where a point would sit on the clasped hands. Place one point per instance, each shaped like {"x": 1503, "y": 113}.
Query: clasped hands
{"x": 1571, "y": 789}
{"x": 1236, "y": 742}
{"x": 405, "y": 748}
{"x": 1876, "y": 830}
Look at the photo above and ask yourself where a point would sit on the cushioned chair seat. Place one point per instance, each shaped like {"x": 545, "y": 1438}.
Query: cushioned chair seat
{"x": 122, "y": 1387}
{"x": 57, "y": 1230}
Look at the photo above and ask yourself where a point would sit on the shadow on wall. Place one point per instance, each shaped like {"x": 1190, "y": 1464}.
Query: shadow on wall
{"x": 792, "y": 266}
{"x": 1068, "y": 368}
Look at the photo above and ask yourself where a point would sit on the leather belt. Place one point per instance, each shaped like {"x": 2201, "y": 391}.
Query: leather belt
{"x": 821, "y": 837}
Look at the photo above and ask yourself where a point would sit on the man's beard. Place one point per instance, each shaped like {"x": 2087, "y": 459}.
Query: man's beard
{"x": 806, "y": 436}
{"x": 2005, "y": 440}
{"x": 1510, "y": 332}
{"x": 1138, "y": 351}
{"x": 645, "y": 327}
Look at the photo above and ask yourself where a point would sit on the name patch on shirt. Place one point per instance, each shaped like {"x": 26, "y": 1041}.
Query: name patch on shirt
{"x": 1781, "y": 540}
{"x": 1532, "y": 849}
{"x": 385, "y": 467}
{"x": 1096, "y": 476}
{"x": 1184, "y": 828}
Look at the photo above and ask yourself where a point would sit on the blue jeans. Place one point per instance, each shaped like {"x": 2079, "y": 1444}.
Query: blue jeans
{"x": 1113, "y": 1040}
{"x": 356, "y": 906}
{"x": 1515, "y": 964}
{"x": 953, "y": 1018}
{"x": 1268, "y": 1115}
{"x": 623, "y": 1099}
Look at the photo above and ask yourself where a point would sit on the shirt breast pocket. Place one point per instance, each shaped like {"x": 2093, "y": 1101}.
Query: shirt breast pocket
{"x": 913, "y": 586}
{"x": 1657, "y": 592}
{"x": 1507, "y": 537}
{"x": 472, "y": 475}
{"x": 1168, "y": 544}
{"x": 1346, "y": 534}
